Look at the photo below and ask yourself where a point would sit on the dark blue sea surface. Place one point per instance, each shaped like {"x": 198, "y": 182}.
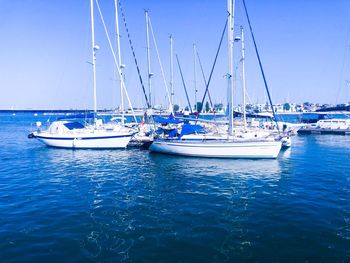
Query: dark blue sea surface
{"x": 130, "y": 205}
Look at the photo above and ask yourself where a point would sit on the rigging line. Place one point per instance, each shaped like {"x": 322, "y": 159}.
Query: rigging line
{"x": 212, "y": 69}
{"x": 261, "y": 67}
{"x": 249, "y": 99}
{"x": 205, "y": 83}
{"x": 134, "y": 55}
{"x": 183, "y": 82}
{"x": 343, "y": 65}
{"x": 161, "y": 66}
{"x": 115, "y": 60}
{"x": 203, "y": 75}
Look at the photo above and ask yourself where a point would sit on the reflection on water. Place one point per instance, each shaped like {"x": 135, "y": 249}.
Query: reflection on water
{"x": 108, "y": 160}
{"x": 137, "y": 199}
{"x": 237, "y": 169}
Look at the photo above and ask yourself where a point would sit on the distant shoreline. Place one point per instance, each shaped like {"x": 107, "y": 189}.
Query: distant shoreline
{"x": 140, "y": 112}
{"x": 54, "y": 111}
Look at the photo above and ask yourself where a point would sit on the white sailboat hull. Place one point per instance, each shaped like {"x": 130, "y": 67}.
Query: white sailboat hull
{"x": 219, "y": 149}
{"x": 91, "y": 141}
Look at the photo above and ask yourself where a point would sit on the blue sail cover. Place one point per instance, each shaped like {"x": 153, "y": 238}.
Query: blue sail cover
{"x": 190, "y": 129}
{"x": 74, "y": 125}
{"x": 170, "y": 120}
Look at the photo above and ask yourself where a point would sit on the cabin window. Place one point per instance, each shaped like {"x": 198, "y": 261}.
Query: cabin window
{"x": 74, "y": 125}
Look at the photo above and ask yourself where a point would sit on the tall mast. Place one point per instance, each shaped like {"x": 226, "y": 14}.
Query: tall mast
{"x": 230, "y": 9}
{"x": 171, "y": 71}
{"x": 195, "y": 75}
{"x": 148, "y": 60}
{"x": 94, "y": 48}
{"x": 243, "y": 79}
{"x": 120, "y": 71}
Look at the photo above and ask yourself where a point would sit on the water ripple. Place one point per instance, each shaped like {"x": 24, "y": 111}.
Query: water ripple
{"x": 133, "y": 206}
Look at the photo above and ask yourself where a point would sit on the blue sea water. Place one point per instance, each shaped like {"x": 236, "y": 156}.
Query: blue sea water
{"x": 130, "y": 205}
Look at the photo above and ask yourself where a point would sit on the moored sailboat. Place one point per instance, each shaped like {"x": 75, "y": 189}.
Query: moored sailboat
{"x": 73, "y": 134}
{"x": 222, "y": 146}
{"x": 218, "y": 148}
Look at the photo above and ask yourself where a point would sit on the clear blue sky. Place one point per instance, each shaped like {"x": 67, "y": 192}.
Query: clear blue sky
{"x": 304, "y": 46}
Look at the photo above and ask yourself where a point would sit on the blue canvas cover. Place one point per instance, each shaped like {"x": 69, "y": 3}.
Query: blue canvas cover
{"x": 74, "y": 125}
{"x": 190, "y": 129}
{"x": 170, "y": 120}
{"x": 173, "y": 133}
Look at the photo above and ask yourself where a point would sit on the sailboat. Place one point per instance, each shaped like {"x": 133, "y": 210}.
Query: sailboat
{"x": 73, "y": 134}
{"x": 228, "y": 146}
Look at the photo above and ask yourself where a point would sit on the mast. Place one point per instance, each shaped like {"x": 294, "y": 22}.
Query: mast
{"x": 94, "y": 49}
{"x": 171, "y": 71}
{"x": 119, "y": 59}
{"x": 261, "y": 67}
{"x": 230, "y": 9}
{"x": 148, "y": 60}
{"x": 195, "y": 76}
{"x": 243, "y": 79}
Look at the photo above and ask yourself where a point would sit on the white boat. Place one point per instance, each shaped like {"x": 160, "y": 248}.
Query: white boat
{"x": 218, "y": 148}
{"x": 333, "y": 124}
{"x": 68, "y": 134}
{"x": 328, "y": 126}
{"x": 72, "y": 134}
{"x": 227, "y": 145}
{"x": 195, "y": 141}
